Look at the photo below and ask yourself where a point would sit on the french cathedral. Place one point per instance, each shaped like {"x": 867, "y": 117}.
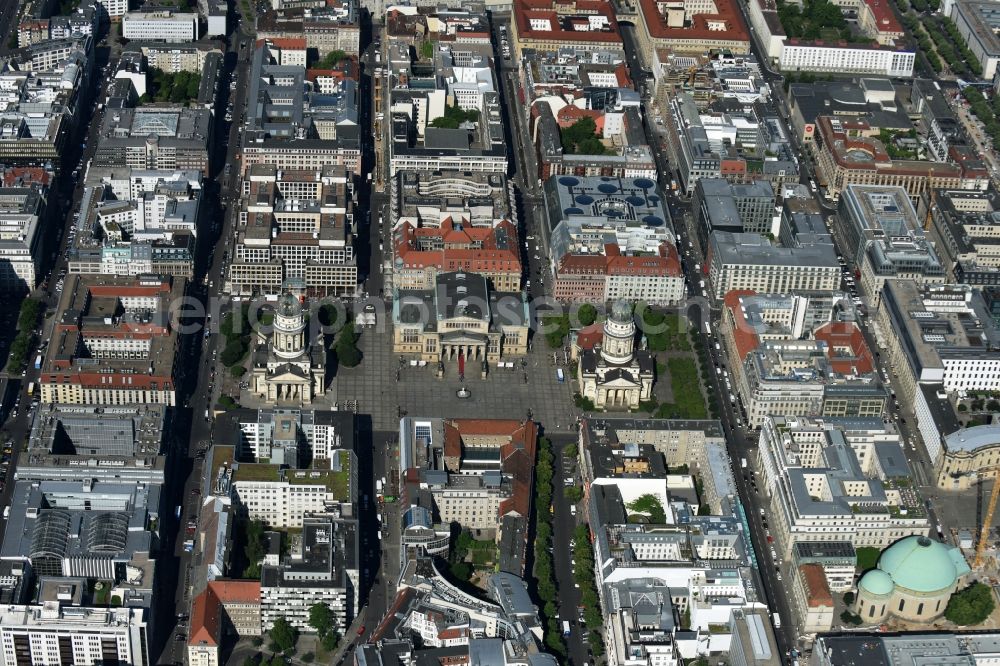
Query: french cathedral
{"x": 614, "y": 374}
{"x": 287, "y": 367}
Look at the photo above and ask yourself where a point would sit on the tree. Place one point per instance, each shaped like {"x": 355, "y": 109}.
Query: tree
{"x": 570, "y": 451}
{"x": 461, "y": 571}
{"x": 347, "y": 350}
{"x": 650, "y": 506}
{"x": 847, "y": 617}
{"x": 970, "y": 606}
{"x": 587, "y": 314}
{"x": 331, "y": 59}
{"x": 330, "y": 641}
{"x": 573, "y": 493}
{"x": 283, "y": 635}
{"x": 308, "y": 657}
{"x": 327, "y": 315}
{"x": 233, "y": 353}
{"x": 320, "y": 618}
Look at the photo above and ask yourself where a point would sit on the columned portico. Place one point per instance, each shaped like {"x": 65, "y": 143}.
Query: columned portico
{"x": 473, "y": 346}
{"x": 289, "y": 369}
{"x": 614, "y": 374}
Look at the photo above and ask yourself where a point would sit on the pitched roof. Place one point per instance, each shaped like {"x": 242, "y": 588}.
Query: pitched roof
{"x": 744, "y": 337}
{"x": 475, "y": 249}
{"x": 817, "y": 591}
{"x": 206, "y": 611}
{"x": 848, "y": 352}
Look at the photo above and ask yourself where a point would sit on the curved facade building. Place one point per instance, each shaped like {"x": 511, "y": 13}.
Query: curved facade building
{"x": 969, "y": 453}
{"x": 913, "y": 581}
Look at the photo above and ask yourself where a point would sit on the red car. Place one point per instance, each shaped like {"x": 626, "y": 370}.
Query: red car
{"x": 361, "y": 630}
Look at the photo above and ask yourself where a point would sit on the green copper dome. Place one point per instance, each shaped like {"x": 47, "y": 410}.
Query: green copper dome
{"x": 921, "y": 564}
{"x": 876, "y": 582}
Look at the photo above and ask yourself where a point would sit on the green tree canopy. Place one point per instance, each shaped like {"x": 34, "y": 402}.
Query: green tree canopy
{"x": 330, "y": 641}
{"x": 455, "y": 116}
{"x": 331, "y": 59}
{"x": 581, "y": 138}
{"x": 970, "y": 606}
{"x": 650, "y": 506}
{"x": 587, "y": 314}
{"x": 348, "y": 354}
{"x": 320, "y": 618}
{"x": 283, "y": 634}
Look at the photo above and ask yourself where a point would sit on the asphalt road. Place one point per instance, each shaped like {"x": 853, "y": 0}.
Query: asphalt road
{"x": 198, "y": 389}
{"x": 563, "y": 524}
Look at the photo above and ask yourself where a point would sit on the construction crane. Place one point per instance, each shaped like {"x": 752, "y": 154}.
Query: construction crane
{"x": 988, "y": 518}
{"x": 932, "y": 201}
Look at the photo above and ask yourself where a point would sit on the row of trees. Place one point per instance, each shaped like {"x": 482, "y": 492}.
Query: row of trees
{"x": 970, "y": 606}
{"x": 583, "y": 574}
{"x": 236, "y": 329}
{"x": 986, "y": 112}
{"x": 951, "y": 46}
{"x": 24, "y": 341}
{"x": 706, "y": 367}
{"x": 923, "y": 40}
{"x": 284, "y": 637}
{"x": 650, "y": 508}
{"x": 321, "y": 619}
{"x": 330, "y": 59}
{"x": 544, "y": 577}
{"x": 253, "y": 548}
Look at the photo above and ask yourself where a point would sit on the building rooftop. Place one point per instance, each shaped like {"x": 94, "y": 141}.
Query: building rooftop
{"x": 94, "y": 312}
{"x": 756, "y": 249}
{"x": 54, "y": 521}
{"x": 551, "y": 22}
{"x": 936, "y": 322}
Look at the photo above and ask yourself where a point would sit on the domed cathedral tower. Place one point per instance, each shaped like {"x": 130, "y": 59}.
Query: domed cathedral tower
{"x": 288, "y": 368}
{"x": 289, "y": 337}
{"x": 618, "y": 343}
{"x": 614, "y": 375}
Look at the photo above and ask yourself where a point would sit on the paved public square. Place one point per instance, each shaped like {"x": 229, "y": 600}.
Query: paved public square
{"x": 419, "y": 392}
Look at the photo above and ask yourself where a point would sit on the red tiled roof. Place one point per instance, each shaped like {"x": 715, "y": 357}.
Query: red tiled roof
{"x": 613, "y": 262}
{"x": 621, "y": 73}
{"x": 400, "y": 601}
{"x": 816, "y": 589}
{"x": 744, "y": 337}
{"x": 589, "y": 336}
{"x": 569, "y": 114}
{"x": 460, "y": 249}
{"x": 525, "y": 10}
{"x": 25, "y": 175}
{"x": 729, "y": 13}
{"x": 841, "y": 336}
{"x": 517, "y": 454}
{"x": 885, "y": 19}
{"x": 206, "y": 611}
{"x": 518, "y": 460}
{"x": 284, "y": 42}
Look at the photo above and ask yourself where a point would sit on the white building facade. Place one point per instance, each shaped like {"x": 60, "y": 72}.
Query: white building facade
{"x": 160, "y": 26}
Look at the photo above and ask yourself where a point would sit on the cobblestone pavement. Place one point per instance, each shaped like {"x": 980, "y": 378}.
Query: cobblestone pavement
{"x": 418, "y": 391}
